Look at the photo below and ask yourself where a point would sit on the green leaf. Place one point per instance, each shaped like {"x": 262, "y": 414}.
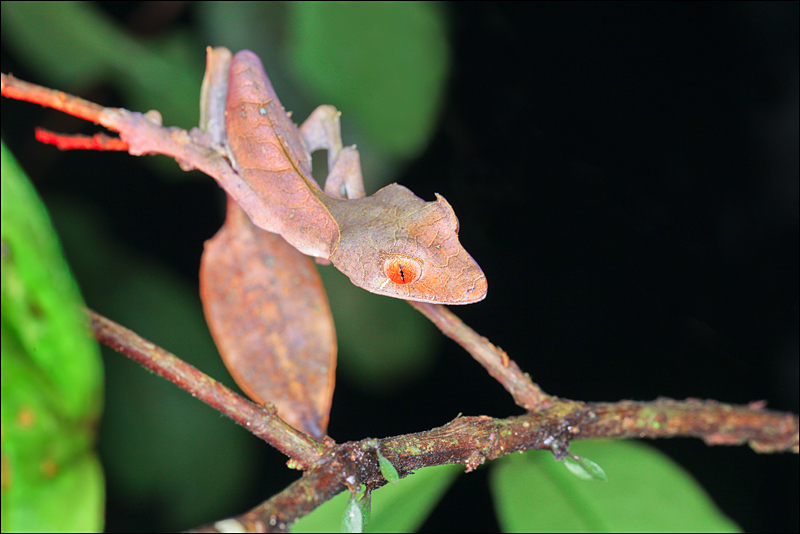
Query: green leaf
{"x": 395, "y": 508}
{"x": 646, "y": 491}
{"x": 386, "y": 63}
{"x": 365, "y": 505}
{"x": 353, "y": 519}
{"x": 584, "y": 468}
{"x": 387, "y": 469}
{"x": 73, "y": 44}
{"x": 52, "y": 375}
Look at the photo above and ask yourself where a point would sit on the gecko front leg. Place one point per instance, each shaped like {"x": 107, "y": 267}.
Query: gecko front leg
{"x": 322, "y": 131}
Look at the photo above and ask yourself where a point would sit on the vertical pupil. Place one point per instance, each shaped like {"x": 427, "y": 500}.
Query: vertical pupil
{"x": 402, "y": 270}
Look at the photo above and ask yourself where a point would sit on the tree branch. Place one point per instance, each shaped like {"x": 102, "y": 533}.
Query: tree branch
{"x": 262, "y": 421}
{"x": 471, "y": 441}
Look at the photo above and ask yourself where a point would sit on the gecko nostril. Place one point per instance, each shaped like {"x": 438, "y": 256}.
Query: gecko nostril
{"x": 477, "y": 291}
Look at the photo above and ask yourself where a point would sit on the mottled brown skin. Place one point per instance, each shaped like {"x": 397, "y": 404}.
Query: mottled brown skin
{"x": 267, "y": 151}
{"x": 358, "y": 235}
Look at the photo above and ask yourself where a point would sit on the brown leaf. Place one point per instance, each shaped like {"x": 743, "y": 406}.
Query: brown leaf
{"x": 269, "y": 316}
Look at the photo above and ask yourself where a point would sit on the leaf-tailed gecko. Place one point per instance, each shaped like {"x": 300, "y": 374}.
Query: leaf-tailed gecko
{"x": 391, "y": 243}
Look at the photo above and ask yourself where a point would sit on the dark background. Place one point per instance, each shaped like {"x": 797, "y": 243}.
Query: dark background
{"x": 627, "y": 177}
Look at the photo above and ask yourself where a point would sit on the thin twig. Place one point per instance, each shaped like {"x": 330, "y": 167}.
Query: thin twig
{"x": 470, "y": 441}
{"x": 525, "y": 393}
{"x": 262, "y": 421}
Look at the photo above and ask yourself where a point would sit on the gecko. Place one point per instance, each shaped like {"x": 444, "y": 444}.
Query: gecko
{"x": 391, "y": 243}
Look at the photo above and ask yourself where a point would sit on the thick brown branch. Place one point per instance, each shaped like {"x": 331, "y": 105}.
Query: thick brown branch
{"x": 713, "y": 422}
{"x": 473, "y": 440}
{"x": 300, "y": 498}
{"x": 470, "y": 441}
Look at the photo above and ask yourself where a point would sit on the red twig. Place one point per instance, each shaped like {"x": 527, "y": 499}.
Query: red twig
{"x": 72, "y": 142}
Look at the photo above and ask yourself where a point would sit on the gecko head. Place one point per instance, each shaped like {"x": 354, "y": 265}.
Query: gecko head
{"x": 396, "y": 244}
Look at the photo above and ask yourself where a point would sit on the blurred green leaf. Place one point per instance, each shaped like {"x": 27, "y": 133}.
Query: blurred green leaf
{"x": 154, "y": 436}
{"x": 386, "y": 63}
{"x": 52, "y": 375}
{"x": 646, "y": 491}
{"x": 365, "y": 505}
{"x": 74, "y": 44}
{"x": 395, "y": 508}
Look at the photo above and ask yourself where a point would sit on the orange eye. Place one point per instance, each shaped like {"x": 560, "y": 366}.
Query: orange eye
{"x": 402, "y": 269}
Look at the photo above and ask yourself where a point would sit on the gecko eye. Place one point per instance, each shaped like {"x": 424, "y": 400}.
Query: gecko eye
{"x": 402, "y": 269}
